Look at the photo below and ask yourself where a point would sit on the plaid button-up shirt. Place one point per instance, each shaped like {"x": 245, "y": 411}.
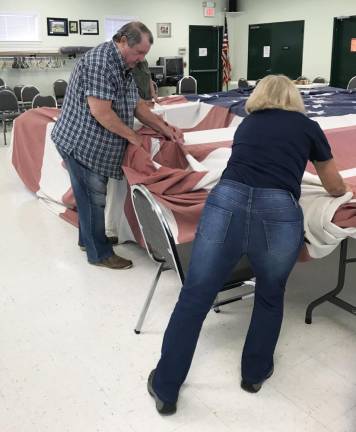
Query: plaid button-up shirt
{"x": 100, "y": 73}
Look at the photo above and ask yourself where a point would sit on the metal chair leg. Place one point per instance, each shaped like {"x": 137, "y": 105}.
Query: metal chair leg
{"x": 249, "y": 294}
{"x": 4, "y": 128}
{"x": 148, "y": 300}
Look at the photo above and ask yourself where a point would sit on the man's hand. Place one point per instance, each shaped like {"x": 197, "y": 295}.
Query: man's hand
{"x": 148, "y": 118}
{"x": 173, "y": 133}
{"x": 135, "y": 139}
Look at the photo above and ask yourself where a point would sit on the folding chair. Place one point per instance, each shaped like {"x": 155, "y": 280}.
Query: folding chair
{"x": 27, "y": 95}
{"x": 163, "y": 250}
{"x": 187, "y": 85}
{"x": 9, "y": 108}
{"x": 352, "y": 83}
{"x": 44, "y": 101}
{"x": 243, "y": 83}
{"x": 59, "y": 88}
{"x": 319, "y": 80}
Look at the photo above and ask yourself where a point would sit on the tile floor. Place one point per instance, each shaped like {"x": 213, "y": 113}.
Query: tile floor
{"x": 70, "y": 361}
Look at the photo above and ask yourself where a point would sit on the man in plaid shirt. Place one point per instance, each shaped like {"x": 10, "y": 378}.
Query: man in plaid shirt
{"x": 95, "y": 127}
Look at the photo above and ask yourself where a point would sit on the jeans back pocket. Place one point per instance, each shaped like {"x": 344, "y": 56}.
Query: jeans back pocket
{"x": 283, "y": 238}
{"x": 214, "y": 223}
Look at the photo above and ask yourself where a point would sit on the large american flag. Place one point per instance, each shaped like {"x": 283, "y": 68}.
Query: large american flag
{"x": 181, "y": 176}
{"x": 225, "y": 56}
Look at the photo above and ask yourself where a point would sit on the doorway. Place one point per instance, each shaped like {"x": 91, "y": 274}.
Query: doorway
{"x": 343, "y": 59}
{"x": 275, "y": 48}
{"x": 205, "y": 57}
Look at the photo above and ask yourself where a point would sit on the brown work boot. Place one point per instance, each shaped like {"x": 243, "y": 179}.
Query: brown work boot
{"x": 115, "y": 262}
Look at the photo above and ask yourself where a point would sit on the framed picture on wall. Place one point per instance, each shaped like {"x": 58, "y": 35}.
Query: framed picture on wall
{"x": 89, "y": 27}
{"x": 164, "y": 30}
{"x": 73, "y": 26}
{"x": 57, "y": 26}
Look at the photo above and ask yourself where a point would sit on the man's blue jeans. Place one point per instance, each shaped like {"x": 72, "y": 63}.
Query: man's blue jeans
{"x": 267, "y": 226}
{"x": 90, "y": 194}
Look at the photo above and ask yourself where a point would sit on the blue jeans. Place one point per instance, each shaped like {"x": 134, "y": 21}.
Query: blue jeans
{"x": 267, "y": 226}
{"x": 90, "y": 195}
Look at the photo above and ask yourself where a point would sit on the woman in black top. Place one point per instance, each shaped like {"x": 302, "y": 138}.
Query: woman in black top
{"x": 252, "y": 211}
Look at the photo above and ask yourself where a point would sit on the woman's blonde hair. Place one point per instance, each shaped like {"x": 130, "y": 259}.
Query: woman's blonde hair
{"x": 275, "y": 91}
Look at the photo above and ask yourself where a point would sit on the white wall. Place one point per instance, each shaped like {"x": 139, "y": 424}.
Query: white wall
{"x": 318, "y": 29}
{"x": 317, "y": 14}
{"x": 181, "y": 14}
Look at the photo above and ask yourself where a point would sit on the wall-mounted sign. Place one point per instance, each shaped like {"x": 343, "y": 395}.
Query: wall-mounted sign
{"x": 353, "y": 45}
{"x": 266, "y": 51}
{"x": 203, "y": 52}
{"x": 209, "y": 12}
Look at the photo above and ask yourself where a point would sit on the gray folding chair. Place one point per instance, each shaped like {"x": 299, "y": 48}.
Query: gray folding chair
{"x": 44, "y": 101}
{"x": 243, "y": 83}
{"x": 59, "y": 88}
{"x": 352, "y": 83}
{"x": 187, "y": 85}
{"x": 27, "y": 95}
{"x": 319, "y": 80}
{"x": 163, "y": 250}
{"x": 9, "y": 108}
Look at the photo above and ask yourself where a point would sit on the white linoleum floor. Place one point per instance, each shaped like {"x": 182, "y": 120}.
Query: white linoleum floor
{"x": 70, "y": 361}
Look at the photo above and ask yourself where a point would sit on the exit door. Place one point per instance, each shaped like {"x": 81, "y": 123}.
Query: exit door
{"x": 275, "y": 48}
{"x": 343, "y": 61}
{"x": 205, "y": 57}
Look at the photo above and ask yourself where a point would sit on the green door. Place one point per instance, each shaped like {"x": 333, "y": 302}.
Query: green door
{"x": 205, "y": 57}
{"x": 275, "y": 48}
{"x": 343, "y": 61}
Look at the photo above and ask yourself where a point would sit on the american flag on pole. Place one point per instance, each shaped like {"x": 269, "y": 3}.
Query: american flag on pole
{"x": 225, "y": 56}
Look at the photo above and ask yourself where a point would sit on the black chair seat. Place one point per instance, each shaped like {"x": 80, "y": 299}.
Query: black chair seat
{"x": 242, "y": 270}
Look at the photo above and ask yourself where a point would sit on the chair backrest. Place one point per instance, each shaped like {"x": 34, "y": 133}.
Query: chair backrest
{"x": 8, "y": 101}
{"x": 17, "y": 91}
{"x": 6, "y": 87}
{"x": 28, "y": 93}
{"x": 242, "y": 83}
{"x": 2, "y": 83}
{"x": 59, "y": 88}
{"x": 157, "y": 235}
{"x": 44, "y": 101}
{"x": 352, "y": 83}
{"x": 320, "y": 80}
{"x": 187, "y": 85}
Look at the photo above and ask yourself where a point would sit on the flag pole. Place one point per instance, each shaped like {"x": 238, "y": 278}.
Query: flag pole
{"x": 226, "y": 65}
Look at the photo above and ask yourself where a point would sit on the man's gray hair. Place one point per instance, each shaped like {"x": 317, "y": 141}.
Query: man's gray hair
{"x": 133, "y": 32}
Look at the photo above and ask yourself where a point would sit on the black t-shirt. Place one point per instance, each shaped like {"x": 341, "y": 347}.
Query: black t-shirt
{"x": 272, "y": 147}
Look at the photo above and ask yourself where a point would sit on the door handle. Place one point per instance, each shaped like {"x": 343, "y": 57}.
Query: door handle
{"x": 203, "y": 70}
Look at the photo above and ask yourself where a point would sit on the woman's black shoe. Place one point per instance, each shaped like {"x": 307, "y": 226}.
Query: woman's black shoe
{"x": 164, "y": 408}
{"x": 254, "y": 388}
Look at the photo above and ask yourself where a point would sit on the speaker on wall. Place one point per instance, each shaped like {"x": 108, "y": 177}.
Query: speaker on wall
{"x": 232, "y": 5}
